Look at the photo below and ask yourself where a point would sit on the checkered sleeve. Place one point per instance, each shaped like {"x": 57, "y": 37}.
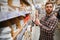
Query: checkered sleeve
{"x": 50, "y": 26}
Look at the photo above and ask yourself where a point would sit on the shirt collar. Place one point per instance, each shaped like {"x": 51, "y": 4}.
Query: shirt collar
{"x": 49, "y": 15}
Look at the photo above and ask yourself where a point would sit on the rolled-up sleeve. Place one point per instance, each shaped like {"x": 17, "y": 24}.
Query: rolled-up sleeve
{"x": 50, "y": 26}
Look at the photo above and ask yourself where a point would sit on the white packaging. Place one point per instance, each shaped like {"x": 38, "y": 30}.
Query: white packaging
{"x": 3, "y": 16}
{"x": 4, "y": 8}
{"x": 22, "y": 23}
{"x": 6, "y": 39}
{"x": 4, "y": 2}
{"x": 14, "y": 27}
{"x": 33, "y": 13}
{"x": 5, "y": 30}
{"x": 28, "y": 29}
{"x": 16, "y": 3}
{"x": 6, "y": 36}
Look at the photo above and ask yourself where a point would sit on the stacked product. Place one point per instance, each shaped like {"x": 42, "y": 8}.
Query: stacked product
{"x": 27, "y": 35}
{"x": 4, "y": 5}
{"x": 3, "y": 9}
{"x": 5, "y": 33}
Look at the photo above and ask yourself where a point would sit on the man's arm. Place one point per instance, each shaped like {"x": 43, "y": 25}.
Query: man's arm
{"x": 50, "y": 27}
{"x": 37, "y": 22}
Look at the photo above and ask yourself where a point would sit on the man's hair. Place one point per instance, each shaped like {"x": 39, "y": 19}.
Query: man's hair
{"x": 48, "y": 3}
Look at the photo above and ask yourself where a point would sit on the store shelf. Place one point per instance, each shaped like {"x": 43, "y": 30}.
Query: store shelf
{"x": 16, "y": 18}
{"x": 25, "y": 26}
{"x": 22, "y": 32}
{"x": 16, "y": 33}
{"x": 9, "y": 15}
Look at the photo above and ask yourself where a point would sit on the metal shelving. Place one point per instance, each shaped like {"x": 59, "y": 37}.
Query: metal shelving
{"x": 9, "y": 15}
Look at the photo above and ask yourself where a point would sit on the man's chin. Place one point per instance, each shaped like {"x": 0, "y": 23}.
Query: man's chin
{"x": 49, "y": 12}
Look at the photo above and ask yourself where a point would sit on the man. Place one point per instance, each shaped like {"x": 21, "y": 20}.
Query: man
{"x": 48, "y": 23}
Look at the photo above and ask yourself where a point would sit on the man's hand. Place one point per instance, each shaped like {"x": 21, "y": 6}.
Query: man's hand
{"x": 37, "y": 22}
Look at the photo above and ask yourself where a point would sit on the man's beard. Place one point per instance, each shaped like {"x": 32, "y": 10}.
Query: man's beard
{"x": 49, "y": 12}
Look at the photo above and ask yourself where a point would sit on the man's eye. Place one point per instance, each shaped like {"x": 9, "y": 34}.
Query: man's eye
{"x": 46, "y": 6}
{"x": 50, "y": 6}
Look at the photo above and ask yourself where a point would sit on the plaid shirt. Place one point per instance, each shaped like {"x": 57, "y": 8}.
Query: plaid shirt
{"x": 49, "y": 23}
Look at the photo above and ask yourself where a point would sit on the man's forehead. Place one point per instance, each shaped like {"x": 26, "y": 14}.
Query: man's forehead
{"x": 49, "y": 5}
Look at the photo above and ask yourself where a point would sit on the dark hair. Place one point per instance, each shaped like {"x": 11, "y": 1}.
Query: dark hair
{"x": 48, "y": 3}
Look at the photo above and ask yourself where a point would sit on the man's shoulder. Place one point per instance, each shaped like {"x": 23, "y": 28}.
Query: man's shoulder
{"x": 53, "y": 17}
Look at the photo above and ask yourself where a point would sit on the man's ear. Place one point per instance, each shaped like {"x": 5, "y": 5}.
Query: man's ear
{"x": 53, "y": 7}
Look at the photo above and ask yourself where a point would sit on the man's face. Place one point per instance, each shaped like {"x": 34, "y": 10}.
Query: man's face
{"x": 49, "y": 8}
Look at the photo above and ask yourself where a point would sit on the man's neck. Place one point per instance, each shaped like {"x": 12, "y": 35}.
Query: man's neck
{"x": 48, "y": 14}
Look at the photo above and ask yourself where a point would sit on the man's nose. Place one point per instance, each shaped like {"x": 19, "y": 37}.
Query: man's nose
{"x": 49, "y": 8}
